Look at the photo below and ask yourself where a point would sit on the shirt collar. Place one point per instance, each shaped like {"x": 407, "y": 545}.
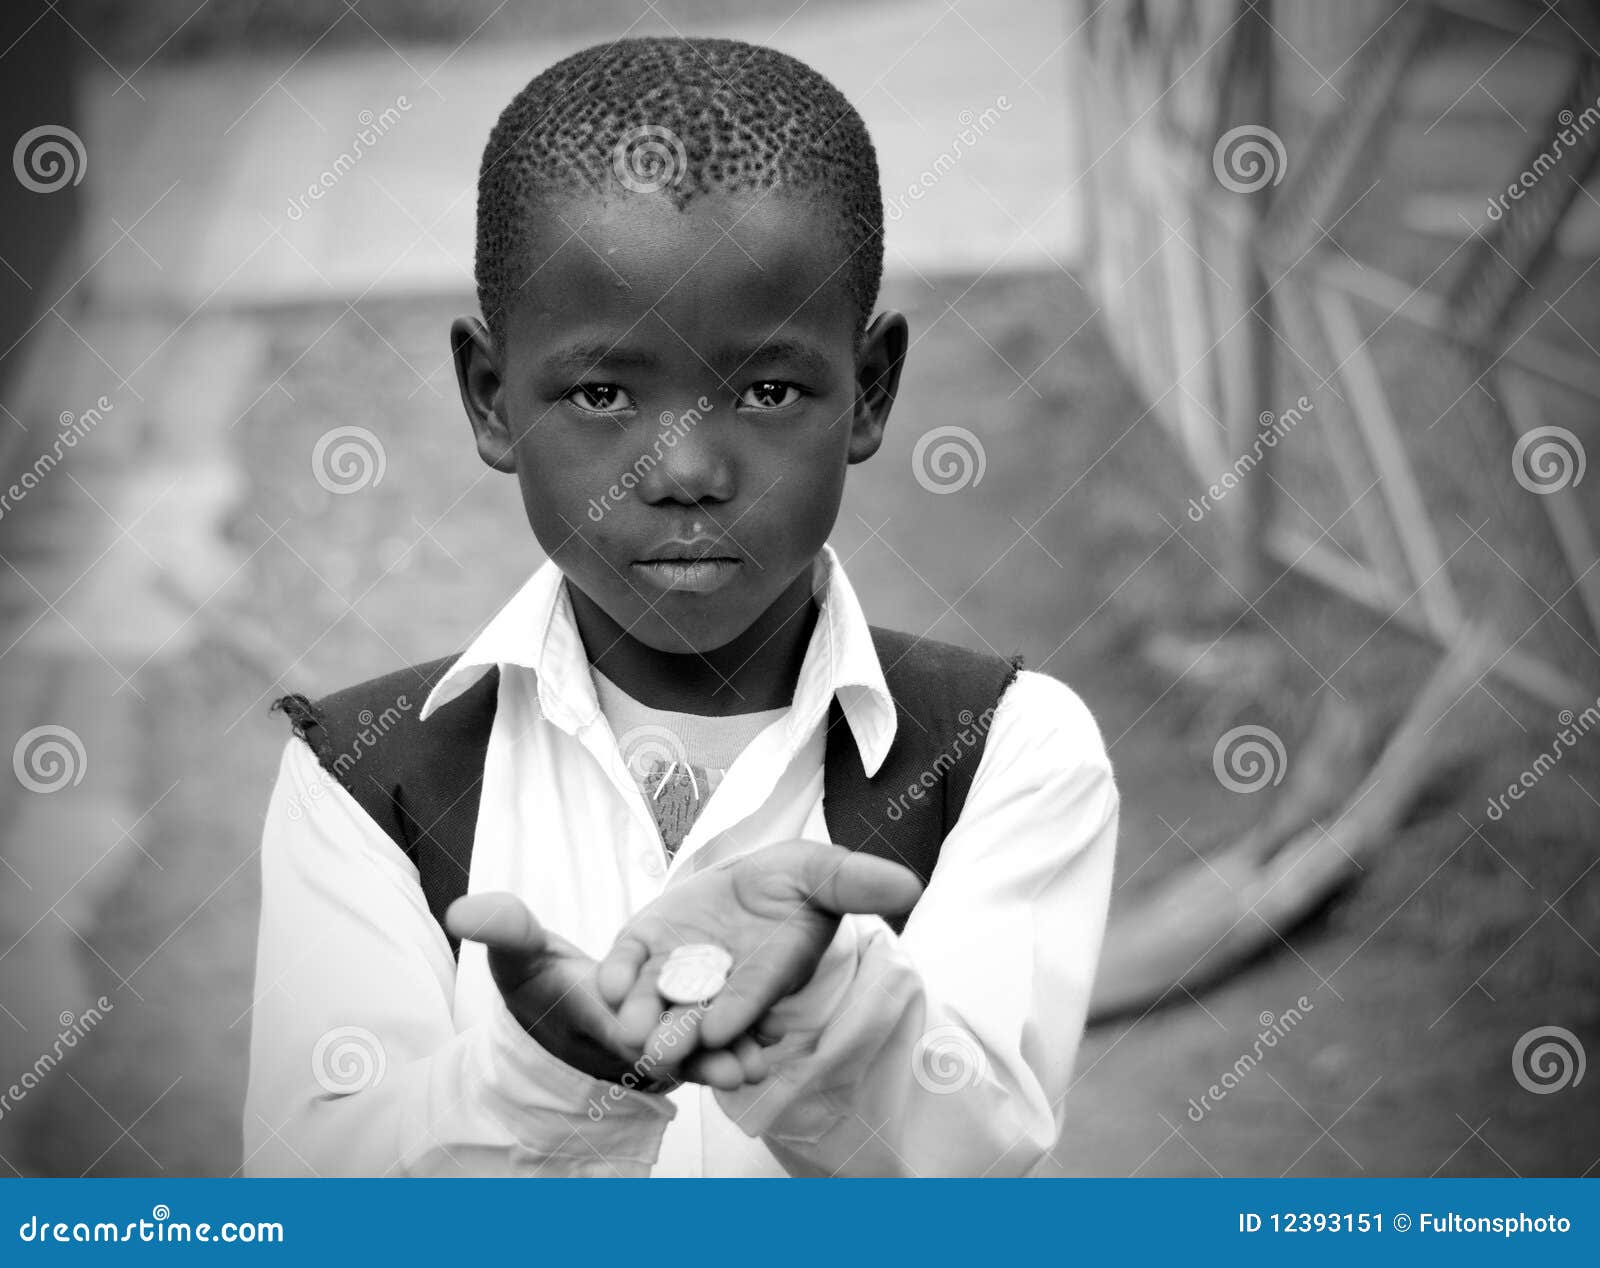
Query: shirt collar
{"x": 536, "y": 631}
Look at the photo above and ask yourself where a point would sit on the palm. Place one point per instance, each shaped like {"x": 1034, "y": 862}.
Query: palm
{"x": 775, "y": 911}
{"x": 554, "y": 998}
{"x": 547, "y": 983}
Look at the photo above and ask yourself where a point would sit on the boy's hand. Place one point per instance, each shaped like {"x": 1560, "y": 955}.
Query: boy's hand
{"x": 549, "y": 987}
{"x": 774, "y": 910}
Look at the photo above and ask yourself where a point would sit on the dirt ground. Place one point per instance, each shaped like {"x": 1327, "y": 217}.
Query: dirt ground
{"x": 1420, "y": 980}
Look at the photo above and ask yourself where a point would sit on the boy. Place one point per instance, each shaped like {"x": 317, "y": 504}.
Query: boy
{"x": 681, "y": 733}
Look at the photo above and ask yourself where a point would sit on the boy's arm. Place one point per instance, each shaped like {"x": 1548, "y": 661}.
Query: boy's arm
{"x": 356, "y": 1067}
{"x": 949, "y": 1050}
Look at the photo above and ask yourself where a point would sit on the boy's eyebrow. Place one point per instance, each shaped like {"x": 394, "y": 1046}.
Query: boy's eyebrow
{"x": 806, "y": 355}
{"x": 587, "y": 356}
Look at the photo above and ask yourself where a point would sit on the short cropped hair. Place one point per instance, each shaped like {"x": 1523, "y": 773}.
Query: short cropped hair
{"x": 681, "y": 116}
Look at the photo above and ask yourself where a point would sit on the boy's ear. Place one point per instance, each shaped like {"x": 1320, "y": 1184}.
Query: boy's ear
{"x": 478, "y": 374}
{"x": 878, "y": 364}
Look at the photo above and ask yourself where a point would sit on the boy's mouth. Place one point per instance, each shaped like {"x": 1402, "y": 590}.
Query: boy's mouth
{"x": 694, "y": 566}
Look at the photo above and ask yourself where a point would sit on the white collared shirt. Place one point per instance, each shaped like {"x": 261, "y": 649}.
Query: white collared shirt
{"x": 947, "y": 1049}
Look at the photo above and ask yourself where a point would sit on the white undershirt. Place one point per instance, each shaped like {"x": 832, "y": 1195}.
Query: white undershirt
{"x": 677, "y": 758}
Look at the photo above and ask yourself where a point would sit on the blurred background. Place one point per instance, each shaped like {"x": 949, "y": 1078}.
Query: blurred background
{"x": 1252, "y": 391}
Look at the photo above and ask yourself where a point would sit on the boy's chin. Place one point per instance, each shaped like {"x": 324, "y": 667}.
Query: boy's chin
{"x": 686, "y": 632}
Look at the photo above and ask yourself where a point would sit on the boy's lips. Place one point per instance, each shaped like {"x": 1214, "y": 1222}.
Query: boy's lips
{"x": 699, "y": 564}
{"x": 699, "y": 575}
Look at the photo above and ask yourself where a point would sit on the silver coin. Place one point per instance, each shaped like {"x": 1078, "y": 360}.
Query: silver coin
{"x": 694, "y": 973}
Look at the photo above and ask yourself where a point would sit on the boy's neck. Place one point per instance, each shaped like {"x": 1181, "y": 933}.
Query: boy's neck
{"x": 755, "y": 672}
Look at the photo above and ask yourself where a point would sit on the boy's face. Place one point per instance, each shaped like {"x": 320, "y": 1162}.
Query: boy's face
{"x": 679, "y": 395}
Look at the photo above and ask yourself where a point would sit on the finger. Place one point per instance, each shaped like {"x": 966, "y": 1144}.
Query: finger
{"x": 500, "y": 921}
{"x": 842, "y": 881}
{"x": 720, "y": 1069}
{"x": 674, "y": 1040}
{"x": 753, "y": 1059}
{"x": 641, "y": 1010}
{"x": 620, "y": 969}
{"x": 752, "y": 989}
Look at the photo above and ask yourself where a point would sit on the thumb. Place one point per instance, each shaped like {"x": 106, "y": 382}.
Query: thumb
{"x": 842, "y": 881}
{"x": 502, "y": 922}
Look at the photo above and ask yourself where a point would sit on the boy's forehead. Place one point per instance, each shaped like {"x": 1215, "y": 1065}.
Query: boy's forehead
{"x": 756, "y": 258}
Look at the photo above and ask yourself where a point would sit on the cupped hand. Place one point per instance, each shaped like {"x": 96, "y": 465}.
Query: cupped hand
{"x": 775, "y": 910}
{"x": 549, "y": 986}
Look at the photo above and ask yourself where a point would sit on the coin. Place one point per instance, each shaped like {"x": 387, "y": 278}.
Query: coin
{"x": 694, "y": 973}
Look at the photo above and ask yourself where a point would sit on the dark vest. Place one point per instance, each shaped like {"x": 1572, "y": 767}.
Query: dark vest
{"x": 420, "y": 781}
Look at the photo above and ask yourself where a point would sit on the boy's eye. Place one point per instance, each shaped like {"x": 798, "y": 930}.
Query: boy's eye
{"x": 769, "y": 394}
{"x": 600, "y": 398}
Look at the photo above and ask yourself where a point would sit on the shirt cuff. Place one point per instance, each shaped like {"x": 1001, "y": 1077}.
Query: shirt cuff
{"x": 558, "y": 1111}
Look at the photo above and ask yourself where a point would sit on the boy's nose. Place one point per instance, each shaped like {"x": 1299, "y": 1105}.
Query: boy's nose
{"x": 686, "y": 462}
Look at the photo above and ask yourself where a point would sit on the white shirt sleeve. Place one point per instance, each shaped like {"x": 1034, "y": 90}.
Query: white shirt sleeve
{"x": 949, "y": 1050}
{"x": 356, "y": 1067}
